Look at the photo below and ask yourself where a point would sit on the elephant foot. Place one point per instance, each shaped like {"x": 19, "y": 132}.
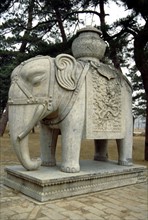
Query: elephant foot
{"x": 48, "y": 164}
{"x": 125, "y": 162}
{"x": 70, "y": 169}
{"x": 101, "y": 158}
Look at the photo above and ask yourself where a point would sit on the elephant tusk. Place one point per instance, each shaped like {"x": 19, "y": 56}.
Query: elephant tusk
{"x": 23, "y": 134}
{"x": 38, "y": 114}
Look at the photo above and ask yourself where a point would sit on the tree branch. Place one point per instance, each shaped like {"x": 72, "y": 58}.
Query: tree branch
{"x": 82, "y": 12}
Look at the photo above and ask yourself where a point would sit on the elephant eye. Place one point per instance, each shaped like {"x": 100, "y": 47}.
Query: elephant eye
{"x": 33, "y": 73}
{"x": 36, "y": 80}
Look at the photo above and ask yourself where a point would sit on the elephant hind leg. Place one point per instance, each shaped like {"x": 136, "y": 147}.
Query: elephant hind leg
{"x": 101, "y": 150}
{"x": 125, "y": 145}
{"x": 124, "y": 152}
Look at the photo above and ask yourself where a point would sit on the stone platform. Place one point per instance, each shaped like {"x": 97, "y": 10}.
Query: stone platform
{"x": 49, "y": 183}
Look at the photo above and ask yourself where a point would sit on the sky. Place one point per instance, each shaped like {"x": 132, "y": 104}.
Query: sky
{"x": 114, "y": 12}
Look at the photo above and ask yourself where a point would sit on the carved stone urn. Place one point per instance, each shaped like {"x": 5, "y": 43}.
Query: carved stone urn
{"x": 88, "y": 44}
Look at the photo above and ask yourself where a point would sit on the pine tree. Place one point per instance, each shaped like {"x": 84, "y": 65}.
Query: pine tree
{"x": 141, "y": 49}
{"x": 130, "y": 30}
{"x": 27, "y": 30}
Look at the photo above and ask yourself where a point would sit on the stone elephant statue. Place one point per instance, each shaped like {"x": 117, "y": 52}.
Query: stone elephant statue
{"x": 79, "y": 98}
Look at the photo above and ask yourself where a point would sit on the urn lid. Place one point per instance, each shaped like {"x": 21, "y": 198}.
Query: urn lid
{"x": 89, "y": 29}
{"x": 88, "y": 43}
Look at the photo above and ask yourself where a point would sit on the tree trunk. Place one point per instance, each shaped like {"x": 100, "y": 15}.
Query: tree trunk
{"x": 102, "y": 21}
{"x": 141, "y": 59}
{"x": 112, "y": 44}
{"x": 3, "y": 121}
{"x": 60, "y": 24}
{"x": 29, "y": 26}
{"x": 146, "y": 135}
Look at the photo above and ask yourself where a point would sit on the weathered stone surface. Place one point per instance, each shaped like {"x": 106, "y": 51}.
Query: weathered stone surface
{"x": 88, "y": 44}
{"x": 105, "y": 103}
{"x": 76, "y": 96}
{"x": 130, "y": 202}
{"x": 49, "y": 183}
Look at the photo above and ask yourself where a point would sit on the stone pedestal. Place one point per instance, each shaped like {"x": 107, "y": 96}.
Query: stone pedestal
{"x": 49, "y": 183}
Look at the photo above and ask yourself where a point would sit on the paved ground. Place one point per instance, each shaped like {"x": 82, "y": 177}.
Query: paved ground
{"x": 125, "y": 203}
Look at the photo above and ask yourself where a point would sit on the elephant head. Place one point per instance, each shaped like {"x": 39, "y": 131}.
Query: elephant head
{"x": 31, "y": 98}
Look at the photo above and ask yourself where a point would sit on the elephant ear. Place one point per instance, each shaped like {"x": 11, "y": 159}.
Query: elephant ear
{"x": 66, "y": 70}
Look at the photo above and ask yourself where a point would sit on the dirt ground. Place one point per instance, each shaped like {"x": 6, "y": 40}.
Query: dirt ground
{"x": 8, "y": 157}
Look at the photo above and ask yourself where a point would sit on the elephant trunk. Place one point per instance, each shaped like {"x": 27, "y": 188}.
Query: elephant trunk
{"x": 22, "y": 151}
{"x": 23, "y": 119}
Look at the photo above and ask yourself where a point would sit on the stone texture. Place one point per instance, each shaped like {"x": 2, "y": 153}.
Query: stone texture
{"x": 49, "y": 183}
{"x": 77, "y": 96}
{"x": 88, "y": 44}
{"x": 79, "y": 204}
{"x": 105, "y": 103}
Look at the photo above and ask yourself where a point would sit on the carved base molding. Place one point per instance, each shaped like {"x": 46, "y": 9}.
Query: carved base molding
{"x": 49, "y": 183}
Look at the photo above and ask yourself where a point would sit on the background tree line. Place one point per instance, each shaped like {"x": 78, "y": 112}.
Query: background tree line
{"x": 47, "y": 27}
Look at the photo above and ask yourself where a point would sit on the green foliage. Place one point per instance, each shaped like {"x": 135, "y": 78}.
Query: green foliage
{"x": 31, "y": 28}
{"x": 4, "y": 5}
{"x": 139, "y": 104}
{"x": 139, "y": 6}
{"x": 139, "y": 95}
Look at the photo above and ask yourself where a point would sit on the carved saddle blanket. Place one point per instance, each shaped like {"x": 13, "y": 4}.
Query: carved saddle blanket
{"x": 104, "y": 103}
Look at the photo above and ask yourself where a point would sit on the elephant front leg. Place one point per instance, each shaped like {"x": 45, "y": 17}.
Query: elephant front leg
{"x": 71, "y": 135}
{"x": 101, "y": 150}
{"x": 70, "y": 155}
{"x": 71, "y": 143}
{"x": 48, "y": 141}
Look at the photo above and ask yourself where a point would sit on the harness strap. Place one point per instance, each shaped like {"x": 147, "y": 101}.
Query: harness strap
{"x": 51, "y": 86}
{"x": 39, "y": 100}
{"x": 23, "y": 88}
{"x": 30, "y": 98}
{"x": 74, "y": 97}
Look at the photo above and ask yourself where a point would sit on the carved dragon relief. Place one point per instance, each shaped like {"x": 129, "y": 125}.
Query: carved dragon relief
{"x": 106, "y": 104}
